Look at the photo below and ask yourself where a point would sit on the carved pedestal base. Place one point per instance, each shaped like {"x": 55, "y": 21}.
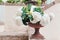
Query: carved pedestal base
{"x": 37, "y": 34}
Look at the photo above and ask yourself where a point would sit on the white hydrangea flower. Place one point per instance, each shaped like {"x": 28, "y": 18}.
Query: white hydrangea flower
{"x": 19, "y": 20}
{"x": 51, "y": 15}
{"x": 32, "y": 8}
{"x": 45, "y": 20}
{"x": 36, "y": 17}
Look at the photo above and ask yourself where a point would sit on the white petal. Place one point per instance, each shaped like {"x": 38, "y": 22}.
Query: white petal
{"x": 32, "y": 8}
{"x": 36, "y": 17}
{"x": 34, "y": 21}
{"x": 45, "y": 20}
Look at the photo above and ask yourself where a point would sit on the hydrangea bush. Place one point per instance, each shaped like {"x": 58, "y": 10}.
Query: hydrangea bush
{"x": 29, "y": 14}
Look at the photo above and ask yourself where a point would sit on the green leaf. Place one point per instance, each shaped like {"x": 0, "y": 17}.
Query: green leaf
{"x": 29, "y": 7}
{"x": 39, "y": 10}
{"x": 24, "y": 10}
{"x": 30, "y": 17}
{"x": 24, "y": 22}
{"x": 26, "y": 17}
{"x": 39, "y": 2}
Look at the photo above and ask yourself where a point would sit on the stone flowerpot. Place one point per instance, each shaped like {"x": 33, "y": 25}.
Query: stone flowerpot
{"x": 37, "y": 34}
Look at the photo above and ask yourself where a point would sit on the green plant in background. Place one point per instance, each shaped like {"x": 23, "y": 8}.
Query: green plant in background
{"x": 1, "y": 1}
{"x": 26, "y": 15}
{"x": 10, "y": 1}
{"x": 13, "y": 1}
{"x": 39, "y": 2}
{"x": 25, "y": 1}
{"x": 17, "y": 1}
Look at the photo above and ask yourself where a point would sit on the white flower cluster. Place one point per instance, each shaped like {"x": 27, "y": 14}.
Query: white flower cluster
{"x": 36, "y": 17}
{"x": 44, "y": 20}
